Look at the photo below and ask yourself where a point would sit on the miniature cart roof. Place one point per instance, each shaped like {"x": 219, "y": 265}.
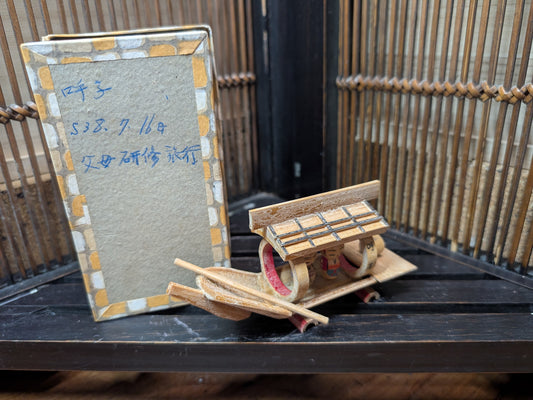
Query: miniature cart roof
{"x": 319, "y": 222}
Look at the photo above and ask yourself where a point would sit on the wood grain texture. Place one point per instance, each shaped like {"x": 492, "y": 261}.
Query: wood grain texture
{"x": 261, "y": 217}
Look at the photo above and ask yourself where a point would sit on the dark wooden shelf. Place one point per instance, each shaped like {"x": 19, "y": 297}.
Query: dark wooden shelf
{"x": 444, "y": 317}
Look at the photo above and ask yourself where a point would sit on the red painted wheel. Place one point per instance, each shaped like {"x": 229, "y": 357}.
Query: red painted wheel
{"x": 300, "y": 275}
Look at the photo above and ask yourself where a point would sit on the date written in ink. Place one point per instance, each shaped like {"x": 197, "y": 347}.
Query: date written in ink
{"x": 148, "y": 125}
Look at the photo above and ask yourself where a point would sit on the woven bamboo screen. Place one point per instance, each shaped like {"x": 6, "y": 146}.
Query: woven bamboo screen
{"x": 34, "y": 233}
{"x": 435, "y": 100}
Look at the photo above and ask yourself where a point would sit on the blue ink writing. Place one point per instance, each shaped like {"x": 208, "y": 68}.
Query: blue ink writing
{"x": 87, "y": 161}
{"x": 186, "y": 154}
{"x": 100, "y": 91}
{"x": 149, "y": 156}
{"x": 123, "y": 124}
{"x": 147, "y": 126}
{"x": 80, "y": 87}
{"x": 74, "y": 131}
{"x": 106, "y": 160}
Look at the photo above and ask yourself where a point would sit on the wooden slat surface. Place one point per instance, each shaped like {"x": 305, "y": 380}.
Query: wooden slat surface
{"x": 443, "y": 317}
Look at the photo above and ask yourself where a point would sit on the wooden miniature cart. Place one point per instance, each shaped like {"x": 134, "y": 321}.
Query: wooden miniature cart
{"x": 330, "y": 243}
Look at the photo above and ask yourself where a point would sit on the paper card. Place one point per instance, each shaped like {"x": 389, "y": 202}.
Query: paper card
{"x": 130, "y": 124}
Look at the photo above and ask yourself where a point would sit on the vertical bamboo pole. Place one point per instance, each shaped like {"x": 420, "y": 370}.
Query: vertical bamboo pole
{"x": 480, "y": 148}
{"x": 411, "y": 172}
{"x": 426, "y": 180}
{"x": 396, "y": 124}
{"x": 371, "y": 71}
{"x": 74, "y": 16}
{"x": 361, "y": 98}
{"x": 235, "y": 105}
{"x": 342, "y": 168}
{"x": 100, "y": 16}
{"x": 63, "y": 17}
{"x": 46, "y": 16}
{"x": 380, "y": 71}
{"x": 87, "y": 16}
{"x": 384, "y": 172}
{"x": 350, "y": 120}
{"x": 400, "y": 170}
{"x": 252, "y": 100}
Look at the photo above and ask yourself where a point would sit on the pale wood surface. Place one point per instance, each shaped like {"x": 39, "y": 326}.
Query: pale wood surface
{"x": 261, "y": 217}
{"x": 301, "y": 236}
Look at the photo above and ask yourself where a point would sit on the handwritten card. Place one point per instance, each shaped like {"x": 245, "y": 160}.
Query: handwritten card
{"x": 130, "y": 125}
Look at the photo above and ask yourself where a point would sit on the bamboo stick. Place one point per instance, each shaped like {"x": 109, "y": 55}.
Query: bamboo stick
{"x": 411, "y": 172}
{"x": 394, "y": 150}
{"x": 246, "y": 289}
{"x": 400, "y": 170}
{"x": 361, "y": 98}
{"x": 389, "y": 97}
{"x": 426, "y": 180}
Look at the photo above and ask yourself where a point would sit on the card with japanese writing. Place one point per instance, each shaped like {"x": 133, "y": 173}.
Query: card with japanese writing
{"x": 130, "y": 124}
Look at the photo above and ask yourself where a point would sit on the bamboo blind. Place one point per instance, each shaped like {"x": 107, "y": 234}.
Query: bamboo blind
{"x": 35, "y": 235}
{"x": 435, "y": 99}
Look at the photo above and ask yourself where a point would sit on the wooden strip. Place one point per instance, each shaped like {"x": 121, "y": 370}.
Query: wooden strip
{"x": 480, "y": 148}
{"x": 261, "y": 217}
{"x": 411, "y": 172}
{"x": 443, "y": 159}
{"x": 232, "y": 284}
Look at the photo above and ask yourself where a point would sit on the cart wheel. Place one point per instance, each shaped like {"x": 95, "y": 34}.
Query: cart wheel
{"x": 300, "y": 275}
{"x": 369, "y": 251}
